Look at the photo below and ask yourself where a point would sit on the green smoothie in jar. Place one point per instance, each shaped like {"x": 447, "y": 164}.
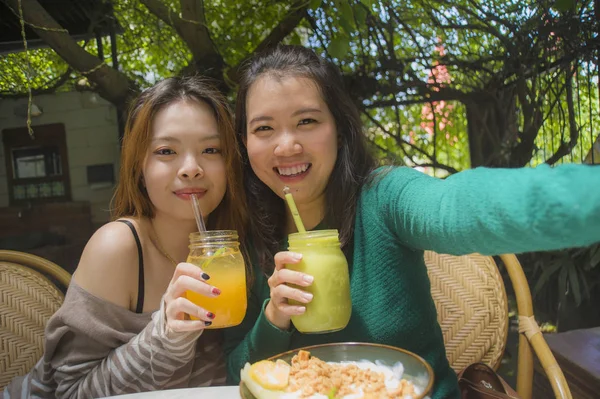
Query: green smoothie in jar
{"x": 322, "y": 258}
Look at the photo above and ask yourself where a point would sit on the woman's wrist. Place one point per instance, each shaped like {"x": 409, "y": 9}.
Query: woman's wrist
{"x": 280, "y": 321}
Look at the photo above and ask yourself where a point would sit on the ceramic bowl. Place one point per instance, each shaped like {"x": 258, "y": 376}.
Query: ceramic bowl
{"x": 416, "y": 369}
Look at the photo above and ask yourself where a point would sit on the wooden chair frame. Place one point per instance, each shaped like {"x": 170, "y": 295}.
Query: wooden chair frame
{"x": 37, "y": 263}
{"x": 532, "y": 341}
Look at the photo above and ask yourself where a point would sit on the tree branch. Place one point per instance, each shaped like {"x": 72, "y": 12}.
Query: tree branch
{"x": 194, "y": 31}
{"x": 565, "y": 148}
{"x": 408, "y": 29}
{"x": 285, "y": 26}
{"x": 317, "y": 30}
{"x": 164, "y": 13}
{"x": 484, "y": 24}
{"x": 399, "y": 140}
{"x": 277, "y": 34}
{"x": 112, "y": 85}
{"x": 190, "y": 26}
{"x": 389, "y": 153}
{"x": 444, "y": 94}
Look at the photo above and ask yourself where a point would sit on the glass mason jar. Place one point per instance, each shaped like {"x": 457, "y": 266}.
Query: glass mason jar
{"x": 322, "y": 258}
{"x": 217, "y": 252}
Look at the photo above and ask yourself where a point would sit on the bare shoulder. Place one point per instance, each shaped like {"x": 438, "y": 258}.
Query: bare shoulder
{"x": 108, "y": 267}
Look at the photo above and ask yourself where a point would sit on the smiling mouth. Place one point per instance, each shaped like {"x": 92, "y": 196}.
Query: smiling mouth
{"x": 293, "y": 171}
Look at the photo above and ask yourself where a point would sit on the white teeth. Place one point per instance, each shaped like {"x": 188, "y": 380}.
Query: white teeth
{"x": 294, "y": 170}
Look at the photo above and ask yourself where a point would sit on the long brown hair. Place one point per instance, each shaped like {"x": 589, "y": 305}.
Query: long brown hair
{"x": 353, "y": 165}
{"x": 131, "y": 199}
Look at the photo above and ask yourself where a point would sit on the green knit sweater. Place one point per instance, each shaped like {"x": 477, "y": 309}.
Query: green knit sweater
{"x": 404, "y": 212}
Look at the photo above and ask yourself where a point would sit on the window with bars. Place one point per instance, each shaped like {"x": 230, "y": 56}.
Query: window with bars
{"x": 37, "y": 168}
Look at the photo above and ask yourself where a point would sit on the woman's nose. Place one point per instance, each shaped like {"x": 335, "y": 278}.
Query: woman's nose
{"x": 287, "y": 145}
{"x": 191, "y": 169}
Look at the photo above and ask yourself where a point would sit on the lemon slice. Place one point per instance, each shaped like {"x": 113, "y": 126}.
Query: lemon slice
{"x": 271, "y": 375}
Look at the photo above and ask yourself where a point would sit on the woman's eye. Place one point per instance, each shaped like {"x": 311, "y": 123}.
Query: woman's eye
{"x": 262, "y": 128}
{"x": 306, "y": 121}
{"x": 164, "y": 151}
{"x": 212, "y": 151}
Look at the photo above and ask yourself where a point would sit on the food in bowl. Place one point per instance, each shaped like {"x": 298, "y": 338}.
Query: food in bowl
{"x": 309, "y": 377}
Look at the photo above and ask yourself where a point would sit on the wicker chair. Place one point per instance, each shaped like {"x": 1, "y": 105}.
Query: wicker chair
{"x": 29, "y": 295}
{"x": 472, "y": 310}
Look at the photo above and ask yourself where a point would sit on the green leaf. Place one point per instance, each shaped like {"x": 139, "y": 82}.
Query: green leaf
{"x": 367, "y": 3}
{"x": 574, "y": 284}
{"x": 339, "y": 46}
{"x": 586, "y": 286}
{"x": 314, "y": 4}
{"x": 546, "y": 274}
{"x": 595, "y": 259}
{"x": 361, "y": 15}
{"x": 346, "y": 16}
{"x": 562, "y": 284}
{"x": 564, "y": 5}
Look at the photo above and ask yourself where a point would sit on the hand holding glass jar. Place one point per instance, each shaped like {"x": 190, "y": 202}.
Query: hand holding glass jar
{"x": 313, "y": 290}
{"x": 217, "y": 253}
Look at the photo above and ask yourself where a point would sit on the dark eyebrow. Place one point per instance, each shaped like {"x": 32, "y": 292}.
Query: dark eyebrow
{"x": 215, "y": 136}
{"x": 305, "y": 111}
{"x": 296, "y": 113}
{"x": 166, "y": 138}
{"x": 260, "y": 119}
{"x": 171, "y": 139}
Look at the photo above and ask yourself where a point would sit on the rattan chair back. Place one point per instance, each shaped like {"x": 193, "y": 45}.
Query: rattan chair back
{"x": 472, "y": 309}
{"x": 27, "y": 300}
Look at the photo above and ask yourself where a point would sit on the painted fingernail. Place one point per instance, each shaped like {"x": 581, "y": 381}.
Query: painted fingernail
{"x": 210, "y": 315}
{"x": 205, "y": 276}
{"x": 296, "y": 255}
{"x": 307, "y": 296}
{"x": 207, "y": 323}
{"x": 216, "y": 291}
{"x": 308, "y": 279}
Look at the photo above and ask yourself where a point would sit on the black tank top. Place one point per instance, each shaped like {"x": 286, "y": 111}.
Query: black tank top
{"x": 140, "y": 298}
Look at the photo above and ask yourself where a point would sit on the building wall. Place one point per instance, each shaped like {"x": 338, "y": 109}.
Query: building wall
{"x": 91, "y": 135}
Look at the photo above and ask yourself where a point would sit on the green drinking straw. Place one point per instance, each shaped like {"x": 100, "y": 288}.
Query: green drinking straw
{"x": 290, "y": 201}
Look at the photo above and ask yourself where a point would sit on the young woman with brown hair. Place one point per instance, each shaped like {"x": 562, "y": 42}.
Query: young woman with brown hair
{"x": 123, "y": 326}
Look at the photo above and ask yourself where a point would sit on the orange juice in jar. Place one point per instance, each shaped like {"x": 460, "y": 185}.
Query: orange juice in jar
{"x": 217, "y": 252}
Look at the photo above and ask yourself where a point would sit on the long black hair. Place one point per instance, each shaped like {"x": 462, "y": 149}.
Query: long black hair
{"x": 353, "y": 165}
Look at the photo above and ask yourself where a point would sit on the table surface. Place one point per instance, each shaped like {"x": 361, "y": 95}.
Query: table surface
{"x": 581, "y": 348}
{"x": 228, "y": 392}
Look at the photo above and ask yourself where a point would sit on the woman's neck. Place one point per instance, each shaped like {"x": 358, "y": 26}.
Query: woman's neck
{"x": 172, "y": 235}
{"x": 311, "y": 213}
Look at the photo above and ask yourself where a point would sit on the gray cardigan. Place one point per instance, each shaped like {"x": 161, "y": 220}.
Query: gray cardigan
{"x": 94, "y": 348}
